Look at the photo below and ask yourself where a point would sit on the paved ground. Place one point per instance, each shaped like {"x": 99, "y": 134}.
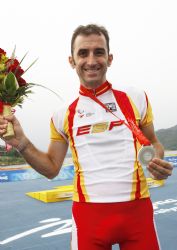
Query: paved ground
{"x": 26, "y": 223}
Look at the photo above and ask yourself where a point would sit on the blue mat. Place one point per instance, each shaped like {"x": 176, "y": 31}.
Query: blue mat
{"x": 28, "y": 224}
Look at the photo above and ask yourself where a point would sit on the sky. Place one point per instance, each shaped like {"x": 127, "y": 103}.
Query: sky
{"x": 143, "y": 41}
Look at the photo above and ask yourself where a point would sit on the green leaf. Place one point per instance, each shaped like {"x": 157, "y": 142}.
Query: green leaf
{"x": 10, "y": 84}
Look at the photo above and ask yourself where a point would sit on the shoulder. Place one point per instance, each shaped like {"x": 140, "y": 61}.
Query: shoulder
{"x": 139, "y": 102}
{"x": 131, "y": 90}
{"x": 61, "y": 112}
{"x": 137, "y": 95}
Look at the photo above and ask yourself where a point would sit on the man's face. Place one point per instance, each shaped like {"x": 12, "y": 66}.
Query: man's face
{"x": 90, "y": 59}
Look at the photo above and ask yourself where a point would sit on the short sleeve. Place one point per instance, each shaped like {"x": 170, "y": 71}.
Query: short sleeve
{"x": 148, "y": 116}
{"x": 54, "y": 134}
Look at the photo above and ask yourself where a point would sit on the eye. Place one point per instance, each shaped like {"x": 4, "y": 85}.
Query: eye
{"x": 99, "y": 52}
{"x": 82, "y": 53}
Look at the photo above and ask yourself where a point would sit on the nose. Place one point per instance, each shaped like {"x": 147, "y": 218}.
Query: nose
{"x": 91, "y": 60}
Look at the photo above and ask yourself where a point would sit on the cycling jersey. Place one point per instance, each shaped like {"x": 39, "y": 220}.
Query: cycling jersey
{"x": 104, "y": 150}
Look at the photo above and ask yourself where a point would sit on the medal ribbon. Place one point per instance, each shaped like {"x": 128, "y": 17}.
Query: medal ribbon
{"x": 127, "y": 110}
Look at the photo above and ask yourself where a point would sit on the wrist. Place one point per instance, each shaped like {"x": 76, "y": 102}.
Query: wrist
{"x": 23, "y": 144}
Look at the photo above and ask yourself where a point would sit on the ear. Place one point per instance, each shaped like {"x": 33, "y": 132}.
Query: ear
{"x": 71, "y": 61}
{"x": 110, "y": 59}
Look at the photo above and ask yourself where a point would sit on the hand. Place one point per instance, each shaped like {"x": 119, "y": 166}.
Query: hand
{"x": 160, "y": 169}
{"x": 19, "y": 134}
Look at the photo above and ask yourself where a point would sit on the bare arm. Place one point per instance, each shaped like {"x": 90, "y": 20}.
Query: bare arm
{"x": 47, "y": 164}
{"x": 149, "y": 132}
{"x": 159, "y": 168}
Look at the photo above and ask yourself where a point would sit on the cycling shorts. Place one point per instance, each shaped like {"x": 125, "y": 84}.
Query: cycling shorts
{"x": 98, "y": 226}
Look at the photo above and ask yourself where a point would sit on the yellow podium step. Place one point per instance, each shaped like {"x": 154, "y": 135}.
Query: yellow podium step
{"x": 60, "y": 193}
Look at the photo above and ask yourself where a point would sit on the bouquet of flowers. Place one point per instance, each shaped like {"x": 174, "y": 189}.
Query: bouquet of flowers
{"x": 13, "y": 88}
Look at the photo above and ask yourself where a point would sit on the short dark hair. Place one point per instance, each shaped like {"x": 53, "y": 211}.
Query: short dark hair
{"x": 89, "y": 30}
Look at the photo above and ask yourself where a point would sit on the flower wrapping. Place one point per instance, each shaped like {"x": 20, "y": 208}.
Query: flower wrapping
{"x": 13, "y": 87}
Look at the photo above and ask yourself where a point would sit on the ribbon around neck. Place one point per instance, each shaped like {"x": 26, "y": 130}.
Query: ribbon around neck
{"x": 131, "y": 123}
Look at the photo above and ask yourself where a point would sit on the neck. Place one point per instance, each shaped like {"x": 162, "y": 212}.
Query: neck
{"x": 93, "y": 85}
{"x": 95, "y": 91}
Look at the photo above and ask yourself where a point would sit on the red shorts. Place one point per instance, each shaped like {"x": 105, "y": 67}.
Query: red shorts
{"x": 98, "y": 226}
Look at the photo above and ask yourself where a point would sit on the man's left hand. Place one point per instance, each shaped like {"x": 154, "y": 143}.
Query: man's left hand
{"x": 160, "y": 169}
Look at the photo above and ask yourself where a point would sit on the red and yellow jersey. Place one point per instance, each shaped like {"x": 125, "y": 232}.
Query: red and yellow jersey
{"x": 104, "y": 150}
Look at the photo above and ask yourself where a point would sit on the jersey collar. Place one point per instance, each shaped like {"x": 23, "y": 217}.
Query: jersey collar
{"x": 96, "y": 92}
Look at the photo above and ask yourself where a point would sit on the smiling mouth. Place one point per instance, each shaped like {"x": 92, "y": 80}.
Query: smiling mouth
{"x": 92, "y": 70}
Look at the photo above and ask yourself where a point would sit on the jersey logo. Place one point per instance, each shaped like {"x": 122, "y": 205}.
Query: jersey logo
{"x": 82, "y": 113}
{"x": 98, "y": 128}
{"x": 111, "y": 106}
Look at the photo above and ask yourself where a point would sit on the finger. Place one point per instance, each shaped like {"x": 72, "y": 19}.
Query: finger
{"x": 160, "y": 171}
{"x": 9, "y": 118}
{"x": 159, "y": 168}
{"x": 3, "y": 129}
{"x": 157, "y": 175}
{"x": 3, "y": 126}
{"x": 164, "y": 164}
{"x": 3, "y": 121}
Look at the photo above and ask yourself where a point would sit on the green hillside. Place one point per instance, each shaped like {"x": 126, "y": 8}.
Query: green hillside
{"x": 168, "y": 137}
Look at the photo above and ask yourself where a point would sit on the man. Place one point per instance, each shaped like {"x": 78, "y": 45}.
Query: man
{"x": 111, "y": 198}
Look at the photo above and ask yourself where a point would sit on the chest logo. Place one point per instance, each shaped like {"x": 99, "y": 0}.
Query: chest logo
{"x": 82, "y": 113}
{"x": 97, "y": 128}
{"x": 111, "y": 106}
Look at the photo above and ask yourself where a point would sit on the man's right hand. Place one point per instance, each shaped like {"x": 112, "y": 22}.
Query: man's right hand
{"x": 47, "y": 164}
{"x": 19, "y": 136}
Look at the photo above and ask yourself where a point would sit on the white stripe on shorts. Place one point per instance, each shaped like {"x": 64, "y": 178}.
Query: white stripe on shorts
{"x": 74, "y": 243}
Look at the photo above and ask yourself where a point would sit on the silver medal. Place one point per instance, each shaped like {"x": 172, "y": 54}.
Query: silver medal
{"x": 145, "y": 155}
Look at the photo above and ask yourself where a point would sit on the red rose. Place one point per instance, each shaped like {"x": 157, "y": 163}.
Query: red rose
{"x": 14, "y": 67}
{"x": 18, "y": 72}
{"x": 2, "y": 52}
{"x": 21, "y": 82}
{"x": 12, "y": 64}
